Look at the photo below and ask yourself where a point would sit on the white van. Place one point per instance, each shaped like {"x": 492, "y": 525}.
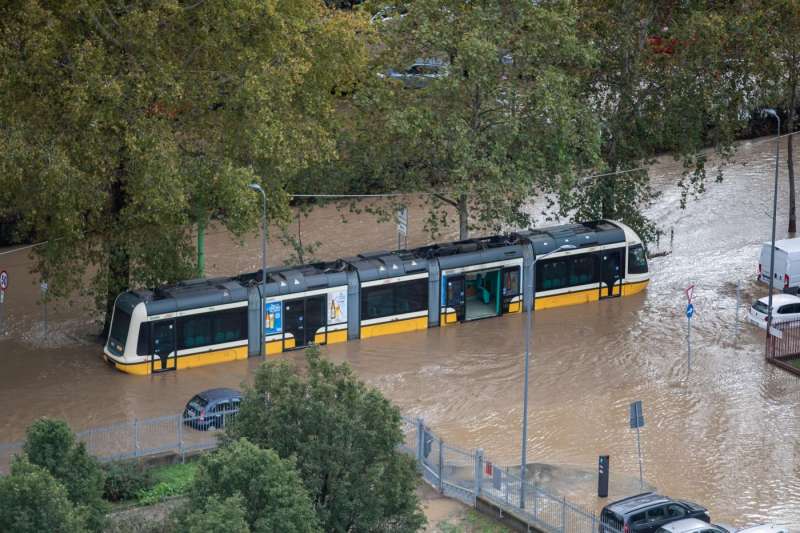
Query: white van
{"x": 787, "y": 265}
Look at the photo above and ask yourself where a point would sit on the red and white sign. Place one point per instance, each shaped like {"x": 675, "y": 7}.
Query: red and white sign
{"x": 3, "y": 280}
{"x": 689, "y": 293}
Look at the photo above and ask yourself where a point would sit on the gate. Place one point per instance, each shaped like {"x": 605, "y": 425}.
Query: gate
{"x": 782, "y": 347}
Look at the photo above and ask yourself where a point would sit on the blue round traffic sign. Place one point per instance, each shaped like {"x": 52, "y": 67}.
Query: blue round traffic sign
{"x": 689, "y": 311}
{"x": 3, "y": 280}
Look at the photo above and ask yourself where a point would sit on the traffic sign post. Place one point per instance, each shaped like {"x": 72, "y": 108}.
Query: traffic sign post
{"x": 637, "y": 421}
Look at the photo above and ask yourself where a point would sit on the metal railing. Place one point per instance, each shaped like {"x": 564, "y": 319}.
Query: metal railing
{"x": 457, "y": 473}
{"x": 469, "y": 475}
{"x": 782, "y": 347}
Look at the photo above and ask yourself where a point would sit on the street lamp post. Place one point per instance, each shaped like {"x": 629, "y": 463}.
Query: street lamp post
{"x": 256, "y": 187}
{"x": 773, "y": 113}
{"x": 528, "y": 326}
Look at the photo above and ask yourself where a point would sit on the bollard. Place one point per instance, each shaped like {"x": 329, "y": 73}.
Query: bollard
{"x": 602, "y": 476}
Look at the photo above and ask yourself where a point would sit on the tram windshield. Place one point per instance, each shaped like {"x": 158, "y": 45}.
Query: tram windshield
{"x": 119, "y": 328}
{"x": 637, "y": 260}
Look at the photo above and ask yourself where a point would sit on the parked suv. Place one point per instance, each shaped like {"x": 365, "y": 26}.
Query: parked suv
{"x": 210, "y": 409}
{"x": 645, "y": 513}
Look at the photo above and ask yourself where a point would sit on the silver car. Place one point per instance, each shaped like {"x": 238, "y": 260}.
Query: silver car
{"x": 693, "y": 525}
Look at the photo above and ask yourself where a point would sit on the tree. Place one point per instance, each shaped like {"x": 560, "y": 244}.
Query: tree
{"x": 344, "y": 437}
{"x": 126, "y": 124}
{"x": 269, "y": 489}
{"x": 51, "y": 445}
{"x": 503, "y": 121}
{"x": 216, "y": 516}
{"x": 776, "y": 63}
{"x": 667, "y": 80}
{"x": 32, "y": 501}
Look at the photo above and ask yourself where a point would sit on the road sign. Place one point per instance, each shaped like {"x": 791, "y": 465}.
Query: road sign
{"x": 689, "y": 292}
{"x": 43, "y": 286}
{"x": 402, "y": 220}
{"x": 3, "y": 280}
{"x": 637, "y": 415}
{"x": 689, "y": 311}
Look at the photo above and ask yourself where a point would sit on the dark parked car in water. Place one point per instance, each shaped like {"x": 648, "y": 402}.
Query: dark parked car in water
{"x": 211, "y": 409}
{"x": 646, "y": 513}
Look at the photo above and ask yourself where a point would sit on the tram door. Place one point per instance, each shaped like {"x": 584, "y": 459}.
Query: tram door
{"x": 302, "y": 318}
{"x": 610, "y": 274}
{"x": 455, "y": 296}
{"x": 164, "y": 355}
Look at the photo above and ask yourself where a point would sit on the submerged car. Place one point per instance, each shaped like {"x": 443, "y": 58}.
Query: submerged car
{"x": 785, "y": 308}
{"x": 419, "y": 74}
{"x": 693, "y": 525}
{"x": 211, "y": 409}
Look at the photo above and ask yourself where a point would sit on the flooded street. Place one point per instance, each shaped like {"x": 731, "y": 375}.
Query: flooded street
{"x": 723, "y": 435}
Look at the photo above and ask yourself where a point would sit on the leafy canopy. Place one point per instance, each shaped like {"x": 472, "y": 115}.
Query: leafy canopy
{"x": 343, "y": 436}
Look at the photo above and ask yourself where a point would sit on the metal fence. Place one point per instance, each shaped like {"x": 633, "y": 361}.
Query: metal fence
{"x": 465, "y": 475}
{"x": 470, "y": 475}
{"x": 783, "y": 346}
{"x": 177, "y": 434}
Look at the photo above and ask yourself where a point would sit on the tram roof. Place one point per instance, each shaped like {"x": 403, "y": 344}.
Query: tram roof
{"x": 473, "y": 251}
{"x": 293, "y": 279}
{"x": 190, "y": 294}
{"x": 384, "y": 264}
{"x": 582, "y": 235}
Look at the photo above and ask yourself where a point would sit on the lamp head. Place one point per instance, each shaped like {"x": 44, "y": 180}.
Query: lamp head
{"x": 770, "y": 112}
{"x": 565, "y": 247}
{"x": 255, "y": 187}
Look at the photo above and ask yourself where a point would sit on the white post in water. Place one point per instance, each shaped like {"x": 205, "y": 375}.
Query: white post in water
{"x": 738, "y": 304}
{"x": 3, "y": 287}
{"x": 689, "y": 313}
{"x": 43, "y": 286}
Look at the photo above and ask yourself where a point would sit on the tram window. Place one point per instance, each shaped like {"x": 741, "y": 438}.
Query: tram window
{"x": 119, "y": 328}
{"x": 511, "y": 281}
{"x": 582, "y": 270}
{"x": 194, "y": 331}
{"x": 394, "y": 299}
{"x": 637, "y": 260}
{"x": 143, "y": 346}
{"x": 229, "y": 325}
{"x": 551, "y": 275}
{"x": 212, "y": 328}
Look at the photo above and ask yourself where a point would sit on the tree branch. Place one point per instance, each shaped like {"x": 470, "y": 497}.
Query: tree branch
{"x": 446, "y": 200}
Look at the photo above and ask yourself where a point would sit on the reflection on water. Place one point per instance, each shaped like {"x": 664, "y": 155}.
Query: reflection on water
{"x": 723, "y": 435}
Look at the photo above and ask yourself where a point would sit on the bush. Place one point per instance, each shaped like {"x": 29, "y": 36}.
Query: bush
{"x": 51, "y": 445}
{"x": 124, "y": 480}
{"x": 216, "y": 516}
{"x": 32, "y": 501}
{"x": 272, "y": 493}
{"x": 344, "y": 436}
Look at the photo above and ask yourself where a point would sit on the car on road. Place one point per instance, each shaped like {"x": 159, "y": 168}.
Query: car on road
{"x": 646, "y": 513}
{"x": 211, "y": 409}
{"x": 785, "y": 308}
{"x": 693, "y": 525}
{"x": 419, "y": 74}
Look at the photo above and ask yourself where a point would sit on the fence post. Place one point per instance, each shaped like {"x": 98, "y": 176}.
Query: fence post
{"x": 180, "y": 438}
{"x": 478, "y": 471}
{"x": 593, "y": 521}
{"x": 441, "y": 465}
{"x": 135, "y": 438}
{"x": 563, "y": 514}
{"x": 420, "y": 441}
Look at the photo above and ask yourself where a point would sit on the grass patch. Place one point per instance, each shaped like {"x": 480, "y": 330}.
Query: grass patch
{"x": 473, "y": 522}
{"x": 794, "y": 362}
{"x": 169, "y": 480}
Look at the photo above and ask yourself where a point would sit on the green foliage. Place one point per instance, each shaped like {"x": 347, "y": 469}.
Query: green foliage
{"x": 157, "y": 493}
{"x": 32, "y": 501}
{"x": 344, "y": 437}
{"x": 124, "y": 479}
{"x": 51, "y": 445}
{"x": 272, "y": 493}
{"x": 217, "y": 516}
{"x": 125, "y": 124}
{"x": 168, "y": 481}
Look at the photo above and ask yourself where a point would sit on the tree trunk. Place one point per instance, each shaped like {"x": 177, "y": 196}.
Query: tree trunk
{"x": 201, "y": 246}
{"x": 607, "y": 203}
{"x": 463, "y": 218}
{"x": 119, "y": 263}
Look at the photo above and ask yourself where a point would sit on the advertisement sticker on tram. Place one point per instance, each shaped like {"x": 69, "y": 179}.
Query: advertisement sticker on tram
{"x": 337, "y": 306}
{"x": 272, "y": 318}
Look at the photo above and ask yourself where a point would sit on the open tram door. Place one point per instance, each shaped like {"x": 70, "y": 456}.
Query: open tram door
{"x": 455, "y": 299}
{"x": 302, "y": 318}
{"x": 611, "y": 264}
{"x": 164, "y": 357}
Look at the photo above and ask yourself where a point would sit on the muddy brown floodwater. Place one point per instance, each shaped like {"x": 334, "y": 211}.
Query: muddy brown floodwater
{"x": 724, "y": 435}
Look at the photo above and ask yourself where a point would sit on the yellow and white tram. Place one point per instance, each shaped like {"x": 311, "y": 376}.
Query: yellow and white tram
{"x": 207, "y": 321}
